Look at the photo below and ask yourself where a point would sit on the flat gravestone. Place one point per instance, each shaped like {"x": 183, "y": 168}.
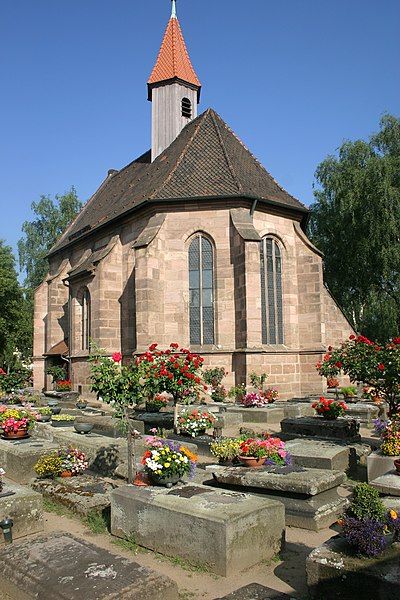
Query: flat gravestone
{"x": 225, "y": 532}
{"x": 319, "y": 454}
{"x": 60, "y": 566}
{"x": 270, "y": 414}
{"x": 307, "y": 482}
{"x": 24, "y": 507}
{"x": 255, "y": 591}
{"x": 18, "y": 458}
{"x": 346, "y": 430}
{"x": 388, "y": 484}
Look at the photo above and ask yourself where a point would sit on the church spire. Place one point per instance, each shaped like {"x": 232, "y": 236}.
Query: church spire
{"x": 173, "y": 87}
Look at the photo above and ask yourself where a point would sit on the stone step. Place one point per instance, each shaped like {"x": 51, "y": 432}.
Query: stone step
{"x": 63, "y": 567}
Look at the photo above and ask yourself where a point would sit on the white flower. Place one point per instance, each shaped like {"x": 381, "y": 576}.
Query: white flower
{"x": 2, "y": 472}
{"x": 152, "y": 465}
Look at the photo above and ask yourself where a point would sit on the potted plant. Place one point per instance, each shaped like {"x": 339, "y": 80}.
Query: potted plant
{"x": 48, "y": 465}
{"x": 43, "y": 413}
{"x": 237, "y": 392}
{"x": 81, "y": 404}
{"x": 195, "y": 422}
{"x": 15, "y": 423}
{"x": 391, "y": 439}
{"x": 332, "y": 382}
{"x": 62, "y": 420}
{"x": 156, "y": 403}
{"x": 368, "y": 526}
{"x": 255, "y": 452}
{"x": 213, "y": 378}
{"x": 349, "y": 391}
{"x": 57, "y": 373}
{"x": 329, "y": 409}
{"x": 63, "y": 385}
{"x": 259, "y": 399}
{"x": 74, "y": 462}
{"x": 166, "y": 462}
{"x": 226, "y": 450}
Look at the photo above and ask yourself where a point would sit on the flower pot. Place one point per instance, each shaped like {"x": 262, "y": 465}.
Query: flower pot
{"x": 62, "y": 423}
{"x": 55, "y": 410}
{"x": 252, "y": 461}
{"x": 81, "y": 405}
{"x": 168, "y": 481}
{"x": 66, "y": 474}
{"x": 397, "y": 466}
{"x": 44, "y": 418}
{"x": 16, "y": 435}
{"x": 152, "y": 407}
{"x": 83, "y": 428}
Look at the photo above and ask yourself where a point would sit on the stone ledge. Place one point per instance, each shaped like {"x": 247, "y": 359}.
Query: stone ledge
{"x": 388, "y": 484}
{"x": 25, "y": 507}
{"x": 18, "y": 458}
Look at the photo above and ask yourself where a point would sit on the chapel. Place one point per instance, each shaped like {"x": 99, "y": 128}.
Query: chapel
{"x": 192, "y": 242}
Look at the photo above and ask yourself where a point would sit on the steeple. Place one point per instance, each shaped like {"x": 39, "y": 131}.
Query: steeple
{"x": 173, "y": 88}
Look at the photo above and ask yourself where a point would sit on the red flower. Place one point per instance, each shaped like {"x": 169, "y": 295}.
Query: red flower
{"x": 153, "y": 347}
{"x": 2, "y": 372}
{"x": 117, "y": 357}
{"x": 330, "y": 348}
{"x": 338, "y": 364}
{"x": 396, "y": 341}
{"x": 381, "y": 367}
{"x": 352, "y": 337}
{"x": 174, "y": 345}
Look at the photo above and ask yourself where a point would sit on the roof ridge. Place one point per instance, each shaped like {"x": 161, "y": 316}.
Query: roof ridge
{"x": 200, "y": 119}
{"x": 224, "y": 150}
{"x": 258, "y": 161}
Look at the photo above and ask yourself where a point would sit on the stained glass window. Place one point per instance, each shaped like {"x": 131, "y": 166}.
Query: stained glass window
{"x": 201, "y": 291}
{"x": 271, "y": 292}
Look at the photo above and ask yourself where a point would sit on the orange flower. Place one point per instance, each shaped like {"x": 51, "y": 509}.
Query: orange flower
{"x": 393, "y": 514}
{"x": 191, "y": 456}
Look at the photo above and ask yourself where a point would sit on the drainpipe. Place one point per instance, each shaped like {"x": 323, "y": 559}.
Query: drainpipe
{"x": 253, "y": 208}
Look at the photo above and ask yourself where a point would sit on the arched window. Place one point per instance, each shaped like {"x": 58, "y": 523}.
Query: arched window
{"x": 271, "y": 292}
{"x": 85, "y": 319}
{"x": 201, "y": 291}
{"x": 186, "y": 108}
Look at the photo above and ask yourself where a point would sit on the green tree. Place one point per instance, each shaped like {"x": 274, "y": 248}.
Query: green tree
{"x": 355, "y": 222}
{"x": 12, "y": 310}
{"x": 52, "y": 218}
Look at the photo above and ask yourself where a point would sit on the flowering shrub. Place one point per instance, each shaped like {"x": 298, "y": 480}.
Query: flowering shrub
{"x": 49, "y": 465}
{"x": 166, "y": 458}
{"x": 73, "y": 460}
{"x": 226, "y": 448}
{"x": 329, "y": 409}
{"x": 365, "y": 361}
{"x": 172, "y": 370}
{"x": 64, "y": 385}
{"x": 391, "y": 439}
{"x": 259, "y": 399}
{"x": 213, "y": 377}
{"x": 12, "y": 419}
{"x": 16, "y": 379}
{"x": 273, "y": 449}
{"x": 332, "y": 382}
{"x": 367, "y": 522}
{"x": 195, "y": 421}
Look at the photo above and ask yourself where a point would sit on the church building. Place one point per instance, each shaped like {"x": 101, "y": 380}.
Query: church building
{"x": 192, "y": 242}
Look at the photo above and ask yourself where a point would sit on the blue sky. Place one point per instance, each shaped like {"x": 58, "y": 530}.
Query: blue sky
{"x": 292, "y": 78}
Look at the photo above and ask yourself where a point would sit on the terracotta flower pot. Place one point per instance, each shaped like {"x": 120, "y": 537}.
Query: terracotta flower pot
{"x": 15, "y": 435}
{"x": 252, "y": 461}
{"x": 397, "y": 466}
{"x": 66, "y": 474}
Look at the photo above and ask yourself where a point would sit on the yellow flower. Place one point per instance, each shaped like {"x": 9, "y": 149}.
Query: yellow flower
{"x": 393, "y": 514}
{"x": 167, "y": 464}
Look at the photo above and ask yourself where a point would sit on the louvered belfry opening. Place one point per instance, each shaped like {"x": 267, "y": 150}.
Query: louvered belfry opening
{"x": 201, "y": 291}
{"x": 271, "y": 292}
{"x": 186, "y": 108}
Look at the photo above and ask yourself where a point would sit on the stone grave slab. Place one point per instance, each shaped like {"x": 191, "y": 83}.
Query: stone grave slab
{"x": 318, "y": 454}
{"x": 224, "y": 531}
{"x": 270, "y": 414}
{"x": 346, "y": 430}
{"x": 388, "y": 484}
{"x": 160, "y": 420}
{"x": 310, "y": 496}
{"x": 63, "y": 567}
{"x": 332, "y": 574}
{"x": 255, "y": 591}
{"x": 25, "y": 507}
{"x": 298, "y": 409}
{"x": 364, "y": 413}
{"x": 378, "y": 464}
{"x": 83, "y": 494}
{"x": 18, "y": 457}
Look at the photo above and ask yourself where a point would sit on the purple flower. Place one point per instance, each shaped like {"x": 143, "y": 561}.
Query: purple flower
{"x": 366, "y": 536}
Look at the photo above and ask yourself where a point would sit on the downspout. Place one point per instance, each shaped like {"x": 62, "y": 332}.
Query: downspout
{"x": 68, "y": 358}
{"x": 253, "y": 207}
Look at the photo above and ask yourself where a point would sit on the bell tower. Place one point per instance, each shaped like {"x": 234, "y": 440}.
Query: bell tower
{"x": 173, "y": 88}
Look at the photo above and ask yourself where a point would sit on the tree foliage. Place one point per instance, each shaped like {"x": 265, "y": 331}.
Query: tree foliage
{"x": 14, "y": 320}
{"x": 52, "y": 218}
{"x": 355, "y": 222}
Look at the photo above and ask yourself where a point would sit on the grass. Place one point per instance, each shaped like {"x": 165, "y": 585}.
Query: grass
{"x": 128, "y": 543}
{"x": 96, "y": 522}
{"x": 57, "y": 508}
{"x": 177, "y": 561}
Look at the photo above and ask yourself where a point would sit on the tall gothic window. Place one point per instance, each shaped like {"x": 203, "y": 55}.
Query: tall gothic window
{"x": 85, "y": 319}
{"x": 201, "y": 291}
{"x": 271, "y": 292}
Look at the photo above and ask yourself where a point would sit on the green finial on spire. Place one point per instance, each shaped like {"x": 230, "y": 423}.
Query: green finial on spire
{"x": 173, "y": 12}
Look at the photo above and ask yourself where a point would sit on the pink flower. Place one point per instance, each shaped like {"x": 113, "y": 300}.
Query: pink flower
{"x": 117, "y": 357}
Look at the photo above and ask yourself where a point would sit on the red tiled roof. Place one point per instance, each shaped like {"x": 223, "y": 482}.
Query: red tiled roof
{"x": 173, "y": 60}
